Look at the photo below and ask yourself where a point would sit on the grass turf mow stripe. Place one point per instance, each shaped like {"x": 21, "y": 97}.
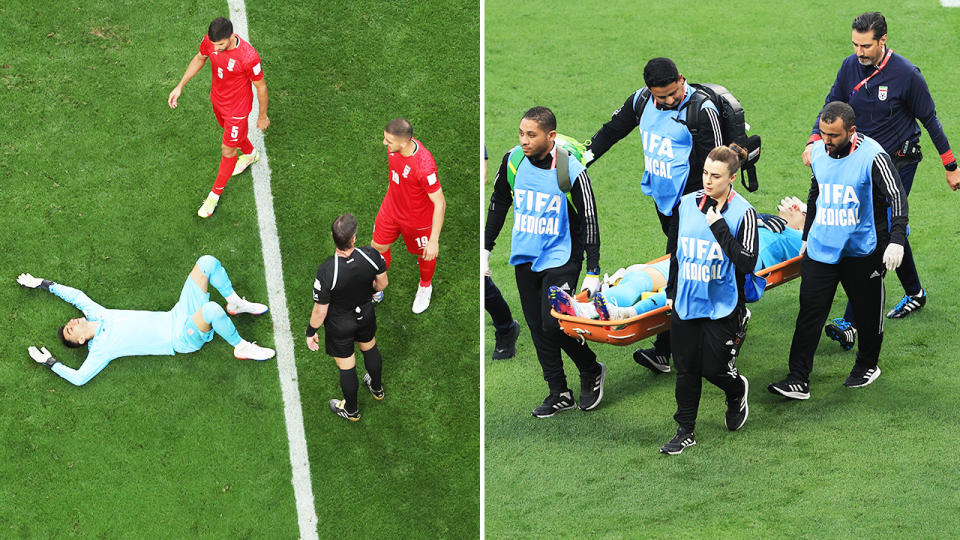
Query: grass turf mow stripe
{"x": 283, "y": 339}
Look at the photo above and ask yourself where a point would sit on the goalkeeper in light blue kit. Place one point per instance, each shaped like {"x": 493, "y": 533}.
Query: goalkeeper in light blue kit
{"x": 112, "y": 333}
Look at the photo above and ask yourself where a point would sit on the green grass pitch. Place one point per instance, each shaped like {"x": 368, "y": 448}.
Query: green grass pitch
{"x": 872, "y": 462}
{"x": 100, "y": 186}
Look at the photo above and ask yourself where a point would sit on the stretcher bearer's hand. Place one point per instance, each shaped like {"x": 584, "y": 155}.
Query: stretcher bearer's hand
{"x": 712, "y": 215}
{"x": 670, "y": 304}
{"x": 893, "y": 256}
{"x": 591, "y": 282}
{"x": 485, "y": 262}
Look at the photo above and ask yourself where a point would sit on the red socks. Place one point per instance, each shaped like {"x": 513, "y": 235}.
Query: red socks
{"x": 386, "y": 257}
{"x": 227, "y": 165}
{"x": 426, "y": 271}
{"x": 246, "y": 147}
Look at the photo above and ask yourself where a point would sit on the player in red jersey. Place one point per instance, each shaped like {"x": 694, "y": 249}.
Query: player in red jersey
{"x": 234, "y": 64}
{"x": 413, "y": 206}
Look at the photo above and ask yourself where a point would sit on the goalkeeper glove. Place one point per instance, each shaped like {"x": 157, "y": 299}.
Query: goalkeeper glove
{"x": 42, "y": 356}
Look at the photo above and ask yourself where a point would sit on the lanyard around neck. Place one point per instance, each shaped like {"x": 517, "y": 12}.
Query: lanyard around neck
{"x": 880, "y": 67}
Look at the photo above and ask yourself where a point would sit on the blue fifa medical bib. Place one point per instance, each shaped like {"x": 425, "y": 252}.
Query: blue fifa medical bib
{"x": 667, "y": 144}
{"x": 844, "y": 224}
{"x": 541, "y": 224}
{"x": 706, "y": 277}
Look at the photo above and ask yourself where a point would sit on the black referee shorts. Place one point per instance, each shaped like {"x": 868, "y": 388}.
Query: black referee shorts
{"x": 343, "y": 330}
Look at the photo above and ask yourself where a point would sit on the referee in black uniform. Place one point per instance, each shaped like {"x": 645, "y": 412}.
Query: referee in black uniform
{"x": 342, "y": 295}
{"x": 846, "y": 240}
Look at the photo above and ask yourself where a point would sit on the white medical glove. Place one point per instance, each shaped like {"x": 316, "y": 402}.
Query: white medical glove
{"x": 485, "y": 263}
{"x": 893, "y": 256}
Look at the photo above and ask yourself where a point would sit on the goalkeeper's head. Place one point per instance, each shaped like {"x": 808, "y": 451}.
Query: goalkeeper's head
{"x": 76, "y": 333}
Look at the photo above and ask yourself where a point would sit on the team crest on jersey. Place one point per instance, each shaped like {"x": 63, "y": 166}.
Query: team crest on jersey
{"x": 406, "y": 170}
{"x": 230, "y": 64}
{"x": 882, "y": 94}
{"x": 396, "y": 177}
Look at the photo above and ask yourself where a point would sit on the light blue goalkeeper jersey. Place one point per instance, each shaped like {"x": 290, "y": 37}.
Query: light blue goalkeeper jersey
{"x": 121, "y": 333}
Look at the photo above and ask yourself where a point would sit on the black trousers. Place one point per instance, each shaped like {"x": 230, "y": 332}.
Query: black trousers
{"x": 907, "y": 271}
{"x": 547, "y": 337}
{"x": 496, "y": 306}
{"x": 705, "y": 349}
{"x": 661, "y": 343}
{"x": 862, "y": 280}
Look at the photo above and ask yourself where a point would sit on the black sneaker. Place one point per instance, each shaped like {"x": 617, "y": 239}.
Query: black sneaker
{"x": 737, "y": 409}
{"x": 681, "y": 440}
{"x": 790, "y": 388}
{"x": 842, "y": 331}
{"x": 554, "y": 404}
{"x": 506, "y": 346}
{"x": 337, "y": 407}
{"x": 368, "y": 380}
{"x": 861, "y": 376}
{"x": 591, "y": 389}
{"x": 908, "y": 304}
{"x": 649, "y": 359}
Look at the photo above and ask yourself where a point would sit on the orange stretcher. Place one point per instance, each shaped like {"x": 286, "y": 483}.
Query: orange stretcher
{"x": 644, "y": 325}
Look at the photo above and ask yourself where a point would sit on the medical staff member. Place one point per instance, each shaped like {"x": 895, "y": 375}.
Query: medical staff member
{"x": 847, "y": 241}
{"x": 673, "y": 154}
{"x": 888, "y": 95}
{"x": 716, "y": 239}
{"x": 552, "y": 229}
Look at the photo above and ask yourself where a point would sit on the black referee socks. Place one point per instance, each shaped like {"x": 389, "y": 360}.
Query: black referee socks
{"x": 349, "y": 385}
{"x": 374, "y": 364}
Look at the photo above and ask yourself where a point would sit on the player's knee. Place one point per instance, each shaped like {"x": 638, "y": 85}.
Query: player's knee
{"x": 208, "y": 264}
{"x": 228, "y": 151}
{"x": 212, "y": 311}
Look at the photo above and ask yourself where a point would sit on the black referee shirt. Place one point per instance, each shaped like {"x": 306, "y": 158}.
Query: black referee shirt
{"x": 347, "y": 282}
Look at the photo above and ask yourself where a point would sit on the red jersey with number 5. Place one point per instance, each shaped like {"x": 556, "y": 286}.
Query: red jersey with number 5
{"x": 411, "y": 180}
{"x": 233, "y": 71}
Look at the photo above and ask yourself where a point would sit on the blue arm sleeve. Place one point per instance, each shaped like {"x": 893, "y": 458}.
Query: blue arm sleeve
{"x": 91, "y": 310}
{"x": 78, "y": 377}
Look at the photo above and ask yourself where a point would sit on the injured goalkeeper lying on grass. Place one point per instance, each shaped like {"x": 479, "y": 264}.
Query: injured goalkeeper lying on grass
{"x": 639, "y": 288}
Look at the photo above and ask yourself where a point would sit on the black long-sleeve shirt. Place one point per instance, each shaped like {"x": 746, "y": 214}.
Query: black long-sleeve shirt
{"x": 742, "y": 250}
{"x": 626, "y": 118}
{"x": 887, "y": 191}
{"x": 584, "y": 228}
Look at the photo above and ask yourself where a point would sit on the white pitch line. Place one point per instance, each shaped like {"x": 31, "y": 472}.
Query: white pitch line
{"x": 950, "y": 3}
{"x": 283, "y": 339}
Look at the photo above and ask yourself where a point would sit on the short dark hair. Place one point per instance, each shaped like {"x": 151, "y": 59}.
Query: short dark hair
{"x": 871, "y": 20}
{"x": 838, "y": 109}
{"x": 220, "y": 29}
{"x": 543, "y": 117}
{"x": 660, "y": 72}
{"x": 65, "y": 341}
{"x": 400, "y": 127}
{"x": 344, "y": 228}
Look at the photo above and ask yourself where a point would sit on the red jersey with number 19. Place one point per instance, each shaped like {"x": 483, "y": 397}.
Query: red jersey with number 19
{"x": 411, "y": 180}
{"x": 233, "y": 70}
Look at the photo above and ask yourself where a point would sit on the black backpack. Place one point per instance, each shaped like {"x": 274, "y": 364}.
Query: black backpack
{"x": 733, "y": 127}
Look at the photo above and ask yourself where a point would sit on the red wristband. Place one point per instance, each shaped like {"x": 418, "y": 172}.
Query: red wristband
{"x": 947, "y": 157}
